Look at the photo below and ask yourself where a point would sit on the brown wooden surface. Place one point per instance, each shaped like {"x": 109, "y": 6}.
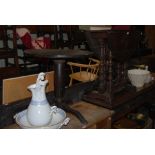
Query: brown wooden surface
{"x": 57, "y": 53}
{"x": 15, "y": 89}
{"x": 96, "y": 116}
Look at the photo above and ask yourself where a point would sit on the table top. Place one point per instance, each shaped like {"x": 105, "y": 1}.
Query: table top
{"x": 57, "y": 53}
{"x": 92, "y": 113}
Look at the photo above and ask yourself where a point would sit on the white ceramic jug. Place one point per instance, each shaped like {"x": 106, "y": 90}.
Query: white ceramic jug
{"x": 39, "y": 112}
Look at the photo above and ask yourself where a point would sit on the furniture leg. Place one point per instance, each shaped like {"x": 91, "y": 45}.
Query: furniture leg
{"x": 59, "y": 90}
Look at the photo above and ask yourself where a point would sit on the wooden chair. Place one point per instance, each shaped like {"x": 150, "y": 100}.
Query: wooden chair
{"x": 86, "y": 72}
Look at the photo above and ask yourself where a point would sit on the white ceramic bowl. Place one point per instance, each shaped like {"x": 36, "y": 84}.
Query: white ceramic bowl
{"x": 59, "y": 119}
{"x": 138, "y": 77}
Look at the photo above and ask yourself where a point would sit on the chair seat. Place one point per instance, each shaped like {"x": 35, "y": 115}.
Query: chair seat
{"x": 83, "y": 76}
{"x": 87, "y": 72}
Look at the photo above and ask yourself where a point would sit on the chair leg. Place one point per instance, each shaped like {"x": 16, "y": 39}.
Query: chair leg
{"x": 70, "y": 83}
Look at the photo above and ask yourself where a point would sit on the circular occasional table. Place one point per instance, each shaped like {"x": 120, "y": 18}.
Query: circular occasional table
{"x": 59, "y": 57}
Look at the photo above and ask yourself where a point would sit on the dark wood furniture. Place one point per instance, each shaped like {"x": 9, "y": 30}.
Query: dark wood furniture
{"x": 114, "y": 48}
{"x": 114, "y": 90}
{"x": 59, "y": 58}
{"x": 71, "y": 36}
{"x": 8, "y": 53}
{"x": 9, "y": 70}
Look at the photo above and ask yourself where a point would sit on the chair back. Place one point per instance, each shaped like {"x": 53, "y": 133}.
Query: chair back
{"x": 84, "y": 72}
{"x": 93, "y": 68}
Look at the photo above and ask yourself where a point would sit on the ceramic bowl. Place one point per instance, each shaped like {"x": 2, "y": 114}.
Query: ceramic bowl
{"x": 59, "y": 119}
{"x": 138, "y": 77}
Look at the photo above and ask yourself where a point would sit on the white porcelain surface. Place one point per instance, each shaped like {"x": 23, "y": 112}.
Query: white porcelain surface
{"x": 59, "y": 119}
{"x": 39, "y": 112}
{"x": 138, "y": 77}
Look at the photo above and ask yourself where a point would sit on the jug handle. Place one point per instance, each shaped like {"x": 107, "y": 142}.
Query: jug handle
{"x": 54, "y": 109}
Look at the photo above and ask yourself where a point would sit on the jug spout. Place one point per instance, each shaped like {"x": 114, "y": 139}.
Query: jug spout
{"x": 38, "y": 89}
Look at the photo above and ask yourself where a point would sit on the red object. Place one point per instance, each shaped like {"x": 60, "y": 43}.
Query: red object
{"x": 27, "y": 41}
{"x": 36, "y": 43}
{"x": 41, "y": 43}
